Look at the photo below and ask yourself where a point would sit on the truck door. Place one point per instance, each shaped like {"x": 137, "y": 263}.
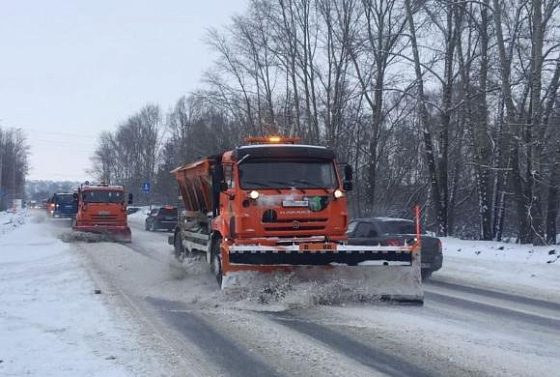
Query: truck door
{"x": 227, "y": 199}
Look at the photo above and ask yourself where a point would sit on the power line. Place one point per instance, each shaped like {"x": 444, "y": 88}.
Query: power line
{"x": 63, "y": 143}
{"x": 86, "y": 136}
{"x": 73, "y": 176}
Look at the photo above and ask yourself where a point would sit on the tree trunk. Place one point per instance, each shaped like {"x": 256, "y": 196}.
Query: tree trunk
{"x": 427, "y": 136}
{"x": 534, "y": 168}
{"x": 553, "y": 197}
{"x": 481, "y": 135}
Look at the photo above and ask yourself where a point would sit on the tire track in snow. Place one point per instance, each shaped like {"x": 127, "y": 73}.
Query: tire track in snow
{"x": 495, "y": 294}
{"x": 367, "y": 355}
{"x": 229, "y": 356}
{"x": 140, "y": 250}
{"x": 522, "y": 316}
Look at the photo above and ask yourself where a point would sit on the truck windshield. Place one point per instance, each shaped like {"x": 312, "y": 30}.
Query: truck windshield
{"x": 305, "y": 174}
{"x": 103, "y": 196}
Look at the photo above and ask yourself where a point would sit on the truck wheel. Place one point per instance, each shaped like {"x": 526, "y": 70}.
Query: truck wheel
{"x": 216, "y": 260}
{"x": 179, "y": 249}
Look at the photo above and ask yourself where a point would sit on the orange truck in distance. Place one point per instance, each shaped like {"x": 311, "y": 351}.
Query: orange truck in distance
{"x": 102, "y": 209}
{"x": 274, "y": 206}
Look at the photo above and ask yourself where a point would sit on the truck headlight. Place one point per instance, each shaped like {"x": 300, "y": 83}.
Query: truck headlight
{"x": 338, "y": 194}
{"x": 254, "y": 195}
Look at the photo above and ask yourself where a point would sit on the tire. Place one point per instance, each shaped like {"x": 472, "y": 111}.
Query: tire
{"x": 146, "y": 226}
{"x": 216, "y": 260}
{"x": 178, "y": 249}
{"x": 152, "y": 227}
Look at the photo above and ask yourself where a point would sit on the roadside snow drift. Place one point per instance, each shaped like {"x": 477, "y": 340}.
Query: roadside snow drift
{"x": 9, "y": 221}
{"x": 519, "y": 269}
{"x": 51, "y": 321}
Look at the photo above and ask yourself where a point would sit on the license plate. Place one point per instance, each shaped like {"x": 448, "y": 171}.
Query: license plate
{"x": 103, "y": 213}
{"x": 295, "y": 203}
{"x": 317, "y": 247}
{"x": 169, "y": 218}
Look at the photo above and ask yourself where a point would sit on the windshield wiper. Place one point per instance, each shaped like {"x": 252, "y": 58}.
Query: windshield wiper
{"x": 283, "y": 183}
{"x": 262, "y": 184}
{"x": 311, "y": 184}
{"x": 243, "y": 159}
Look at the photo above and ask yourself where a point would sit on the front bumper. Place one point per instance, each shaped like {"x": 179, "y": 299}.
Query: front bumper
{"x": 301, "y": 255}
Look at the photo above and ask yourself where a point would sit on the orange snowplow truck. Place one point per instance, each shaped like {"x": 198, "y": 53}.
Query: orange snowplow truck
{"x": 102, "y": 209}
{"x": 274, "y": 206}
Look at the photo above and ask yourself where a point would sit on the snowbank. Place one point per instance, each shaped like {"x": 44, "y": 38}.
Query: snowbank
{"x": 522, "y": 269}
{"x": 501, "y": 251}
{"x": 51, "y": 321}
{"x": 9, "y": 221}
{"x": 140, "y": 216}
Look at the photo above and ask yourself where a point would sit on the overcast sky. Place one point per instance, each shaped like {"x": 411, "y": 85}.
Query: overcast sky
{"x": 70, "y": 69}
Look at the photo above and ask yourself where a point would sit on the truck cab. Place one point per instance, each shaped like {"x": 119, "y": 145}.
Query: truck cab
{"x": 102, "y": 209}
{"x": 281, "y": 192}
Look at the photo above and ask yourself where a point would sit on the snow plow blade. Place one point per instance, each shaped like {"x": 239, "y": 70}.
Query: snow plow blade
{"x": 379, "y": 272}
{"x": 110, "y": 233}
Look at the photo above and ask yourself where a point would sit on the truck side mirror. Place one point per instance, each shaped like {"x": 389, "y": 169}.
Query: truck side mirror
{"x": 130, "y": 198}
{"x": 347, "y": 185}
{"x": 348, "y": 175}
{"x": 75, "y": 196}
{"x": 223, "y": 186}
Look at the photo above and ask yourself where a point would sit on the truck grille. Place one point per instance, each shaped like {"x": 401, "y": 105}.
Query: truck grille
{"x": 292, "y": 228}
{"x": 291, "y": 225}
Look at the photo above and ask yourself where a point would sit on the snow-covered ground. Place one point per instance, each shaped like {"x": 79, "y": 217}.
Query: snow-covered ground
{"x": 51, "y": 321}
{"x": 9, "y": 221}
{"x": 521, "y": 269}
{"x": 157, "y": 317}
{"x": 140, "y": 216}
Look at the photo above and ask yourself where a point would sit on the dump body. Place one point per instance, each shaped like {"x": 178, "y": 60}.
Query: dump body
{"x": 102, "y": 209}
{"x": 275, "y": 207}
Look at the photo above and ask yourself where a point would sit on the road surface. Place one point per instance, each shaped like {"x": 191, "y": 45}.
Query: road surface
{"x": 201, "y": 331}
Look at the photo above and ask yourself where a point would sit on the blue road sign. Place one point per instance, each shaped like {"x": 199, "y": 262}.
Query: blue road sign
{"x": 146, "y": 187}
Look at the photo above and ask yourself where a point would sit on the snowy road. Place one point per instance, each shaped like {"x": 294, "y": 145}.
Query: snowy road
{"x": 196, "y": 330}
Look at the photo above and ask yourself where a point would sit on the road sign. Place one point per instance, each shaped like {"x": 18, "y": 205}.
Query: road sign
{"x": 146, "y": 187}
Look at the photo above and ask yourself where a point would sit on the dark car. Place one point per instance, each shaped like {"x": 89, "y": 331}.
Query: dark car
{"x": 162, "y": 218}
{"x": 387, "y": 231}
